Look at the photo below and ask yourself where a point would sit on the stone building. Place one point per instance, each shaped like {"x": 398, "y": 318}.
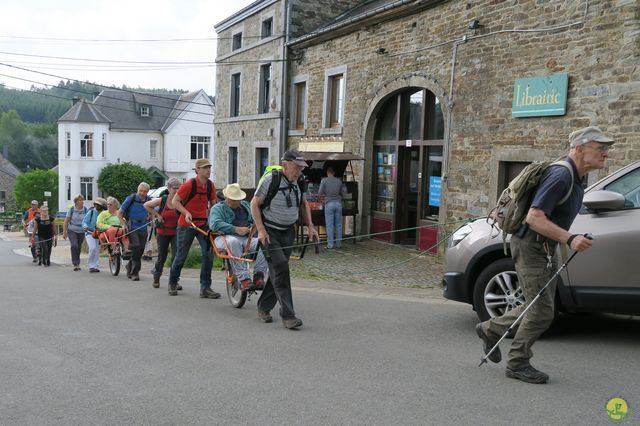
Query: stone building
{"x": 252, "y": 83}
{"x": 425, "y": 90}
{"x": 8, "y": 175}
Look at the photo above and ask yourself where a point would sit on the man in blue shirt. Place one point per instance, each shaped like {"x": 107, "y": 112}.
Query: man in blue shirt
{"x": 547, "y": 223}
{"x": 133, "y": 217}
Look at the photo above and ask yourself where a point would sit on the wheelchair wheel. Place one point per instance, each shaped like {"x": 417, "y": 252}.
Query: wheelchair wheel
{"x": 236, "y": 297}
{"x": 114, "y": 260}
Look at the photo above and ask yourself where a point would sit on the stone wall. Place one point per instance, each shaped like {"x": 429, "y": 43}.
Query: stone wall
{"x": 599, "y": 52}
{"x": 307, "y": 16}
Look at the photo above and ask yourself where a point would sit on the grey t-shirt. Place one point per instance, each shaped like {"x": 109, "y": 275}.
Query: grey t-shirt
{"x": 75, "y": 225}
{"x": 332, "y": 189}
{"x": 277, "y": 215}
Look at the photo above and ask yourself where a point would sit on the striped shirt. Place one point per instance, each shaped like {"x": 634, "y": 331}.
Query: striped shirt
{"x": 277, "y": 215}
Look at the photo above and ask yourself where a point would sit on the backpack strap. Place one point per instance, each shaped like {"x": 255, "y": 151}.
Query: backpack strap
{"x": 274, "y": 186}
{"x": 570, "y": 168}
{"x": 163, "y": 202}
{"x": 194, "y": 191}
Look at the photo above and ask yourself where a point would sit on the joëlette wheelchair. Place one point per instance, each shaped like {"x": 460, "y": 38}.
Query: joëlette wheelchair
{"x": 116, "y": 254}
{"x": 237, "y": 297}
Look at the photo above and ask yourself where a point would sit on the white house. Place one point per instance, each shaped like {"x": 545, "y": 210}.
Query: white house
{"x": 162, "y": 133}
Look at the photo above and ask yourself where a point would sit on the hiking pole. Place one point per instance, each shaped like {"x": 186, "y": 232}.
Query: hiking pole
{"x": 535, "y": 299}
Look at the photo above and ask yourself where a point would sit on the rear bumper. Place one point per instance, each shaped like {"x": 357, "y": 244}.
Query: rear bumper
{"x": 456, "y": 287}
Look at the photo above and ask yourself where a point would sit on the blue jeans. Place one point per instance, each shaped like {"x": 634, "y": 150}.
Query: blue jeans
{"x": 333, "y": 222}
{"x": 184, "y": 238}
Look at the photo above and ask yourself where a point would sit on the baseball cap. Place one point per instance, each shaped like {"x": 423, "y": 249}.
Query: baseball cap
{"x": 202, "y": 162}
{"x": 295, "y": 156}
{"x": 588, "y": 134}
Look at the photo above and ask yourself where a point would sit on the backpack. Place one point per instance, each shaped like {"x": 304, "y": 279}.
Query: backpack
{"x": 194, "y": 192}
{"x": 134, "y": 198}
{"x": 510, "y": 212}
{"x": 274, "y": 186}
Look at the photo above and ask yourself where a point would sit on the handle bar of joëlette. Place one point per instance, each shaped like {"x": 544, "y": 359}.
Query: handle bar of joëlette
{"x": 245, "y": 255}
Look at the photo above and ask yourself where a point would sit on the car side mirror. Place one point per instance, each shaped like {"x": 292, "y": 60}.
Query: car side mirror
{"x": 597, "y": 201}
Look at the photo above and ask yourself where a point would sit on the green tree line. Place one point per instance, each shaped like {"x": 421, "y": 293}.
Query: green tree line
{"x": 28, "y": 145}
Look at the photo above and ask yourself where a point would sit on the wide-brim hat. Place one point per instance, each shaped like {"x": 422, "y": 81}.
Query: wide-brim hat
{"x": 202, "y": 162}
{"x": 100, "y": 201}
{"x": 588, "y": 134}
{"x": 233, "y": 192}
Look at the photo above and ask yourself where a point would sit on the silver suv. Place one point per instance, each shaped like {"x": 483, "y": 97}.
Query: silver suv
{"x": 605, "y": 278}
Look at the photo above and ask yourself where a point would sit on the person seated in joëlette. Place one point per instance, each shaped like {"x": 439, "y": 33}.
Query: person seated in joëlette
{"x": 232, "y": 219}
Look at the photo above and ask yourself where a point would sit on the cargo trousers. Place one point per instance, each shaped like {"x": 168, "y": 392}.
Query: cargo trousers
{"x": 534, "y": 271}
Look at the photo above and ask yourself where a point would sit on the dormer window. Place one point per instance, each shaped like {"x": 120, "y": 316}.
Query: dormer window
{"x": 144, "y": 111}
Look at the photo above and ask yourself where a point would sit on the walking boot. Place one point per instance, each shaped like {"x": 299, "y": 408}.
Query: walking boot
{"x": 156, "y": 282}
{"x": 527, "y": 374}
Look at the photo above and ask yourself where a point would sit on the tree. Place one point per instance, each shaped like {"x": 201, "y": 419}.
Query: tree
{"x": 32, "y": 185}
{"x": 121, "y": 180}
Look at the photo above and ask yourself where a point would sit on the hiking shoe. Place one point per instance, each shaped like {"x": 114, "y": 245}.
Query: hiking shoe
{"x": 76, "y": 268}
{"x": 178, "y": 287}
{"x": 246, "y": 285}
{"x": 94, "y": 270}
{"x": 487, "y": 344}
{"x": 292, "y": 323}
{"x": 265, "y": 316}
{"x": 156, "y": 282}
{"x": 207, "y": 293}
{"x": 258, "y": 280}
{"x": 173, "y": 291}
{"x": 135, "y": 277}
{"x": 527, "y": 374}
{"x": 145, "y": 257}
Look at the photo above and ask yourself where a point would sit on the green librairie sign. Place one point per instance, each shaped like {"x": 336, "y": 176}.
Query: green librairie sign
{"x": 540, "y": 96}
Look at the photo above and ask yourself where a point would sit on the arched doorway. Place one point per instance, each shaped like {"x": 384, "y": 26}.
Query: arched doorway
{"x": 408, "y": 145}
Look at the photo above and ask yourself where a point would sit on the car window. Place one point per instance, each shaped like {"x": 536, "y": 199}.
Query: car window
{"x": 629, "y": 186}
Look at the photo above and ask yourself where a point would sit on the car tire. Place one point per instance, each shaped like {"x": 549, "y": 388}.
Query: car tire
{"x": 490, "y": 286}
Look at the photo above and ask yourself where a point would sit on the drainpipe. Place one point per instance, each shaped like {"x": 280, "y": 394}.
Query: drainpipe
{"x": 284, "y": 103}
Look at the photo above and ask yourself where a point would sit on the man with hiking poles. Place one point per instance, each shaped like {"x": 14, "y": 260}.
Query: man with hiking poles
{"x": 533, "y": 246}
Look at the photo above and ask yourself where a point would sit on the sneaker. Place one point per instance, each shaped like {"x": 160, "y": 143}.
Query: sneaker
{"x": 207, "y": 293}
{"x": 156, "y": 282}
{"x": 487, "y": 344}
{"x": 76, "y": 268}
{"x": 147, "y": 258}
{"x": 178, "y": 287}
{"x": 246, "y": 285}
{"x": 265, "y": 316}
{"x": 173, "y": 291}
{"x": 527, "y": 374}
{"x": 292, "y": 323}
{"x": 135, "y": 277}
{"x": 94, "y": 270}
{"x": 258, "y": 280}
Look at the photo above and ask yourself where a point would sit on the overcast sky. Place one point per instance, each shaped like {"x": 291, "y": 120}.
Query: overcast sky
{"x": 112, "y": 19}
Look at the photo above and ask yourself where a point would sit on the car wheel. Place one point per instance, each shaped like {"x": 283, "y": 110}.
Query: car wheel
{"x": 497, "y": 290}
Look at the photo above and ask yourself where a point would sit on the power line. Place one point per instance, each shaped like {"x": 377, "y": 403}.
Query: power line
{"x": 111, "y": 97}
{"x": 116, "y": 40}
{"x": 102, "y": 106}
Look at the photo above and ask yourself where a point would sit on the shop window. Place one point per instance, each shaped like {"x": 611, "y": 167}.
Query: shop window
{"x": 432, "y": 178}
{"x": 412, "y": 115}
{"x": 235, "y": 95}
{"x": 387, "y": 125}
{"x": 86, "y": 145}
{"x": 384, "y": 178}
{"x": 435, "y": 119}
{"x": 265, "y": 88}
{"x": 267, "y": 28}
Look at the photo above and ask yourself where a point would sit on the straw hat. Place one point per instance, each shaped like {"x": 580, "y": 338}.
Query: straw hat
{"x": 233, "y": 192}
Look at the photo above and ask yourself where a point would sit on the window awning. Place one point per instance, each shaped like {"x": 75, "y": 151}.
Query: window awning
{"x": 331, "y": 156}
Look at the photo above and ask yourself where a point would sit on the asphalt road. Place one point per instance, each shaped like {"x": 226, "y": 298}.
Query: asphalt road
{"x": 94, "y": 349}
